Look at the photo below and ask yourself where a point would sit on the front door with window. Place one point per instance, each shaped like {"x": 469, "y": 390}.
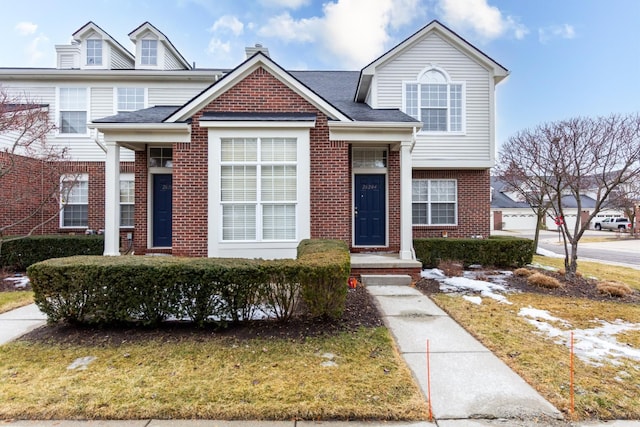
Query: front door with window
{"x": 162, "y": 209}
{"x": 370, "y": 210}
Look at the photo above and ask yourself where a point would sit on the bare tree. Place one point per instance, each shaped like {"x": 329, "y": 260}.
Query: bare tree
{"x": 29, "y": 167}
{"x": 627, "y": 199}
{"x": 572, "y": 158}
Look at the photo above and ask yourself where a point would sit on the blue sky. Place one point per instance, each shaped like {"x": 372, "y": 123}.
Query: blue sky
{"x": 567, "y": 57}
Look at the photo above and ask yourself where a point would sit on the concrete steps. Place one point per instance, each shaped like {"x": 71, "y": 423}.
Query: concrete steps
{"x": 385, "y": 279}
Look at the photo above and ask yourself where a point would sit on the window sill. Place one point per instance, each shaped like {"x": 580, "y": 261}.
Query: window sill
{"x": 440, "y": 133}
{"x": 436, "y": 226}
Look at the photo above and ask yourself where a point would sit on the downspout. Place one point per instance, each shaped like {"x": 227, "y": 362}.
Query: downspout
{"x": 413, "y": 139}
{"x": 99, "y": 144}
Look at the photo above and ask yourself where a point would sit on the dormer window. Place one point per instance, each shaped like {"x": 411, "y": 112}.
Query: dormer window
{"x": 94, "y": 52}
{"x": 436, "y": 101}
{"x": 149, "y": 52}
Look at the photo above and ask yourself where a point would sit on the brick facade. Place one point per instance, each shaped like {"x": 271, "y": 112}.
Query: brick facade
{"x": 474, "y": 204}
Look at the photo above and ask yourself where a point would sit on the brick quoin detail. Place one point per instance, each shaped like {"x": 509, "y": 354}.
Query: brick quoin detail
{"x": 474, "y": 204}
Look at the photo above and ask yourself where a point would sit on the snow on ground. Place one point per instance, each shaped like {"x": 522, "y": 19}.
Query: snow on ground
{"x": 547, "y": 253}
{"x": 595, "y": 345}
{"x": 19, "y": 281}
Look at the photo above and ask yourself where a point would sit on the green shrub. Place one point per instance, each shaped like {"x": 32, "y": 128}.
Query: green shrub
{"x": 20, "y": 254}
{"x": 500, "y": 251}
{"x": 96, "y": 289}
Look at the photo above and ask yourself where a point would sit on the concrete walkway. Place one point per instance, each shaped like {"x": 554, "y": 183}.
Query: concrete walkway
{"x": 470, "y": 387}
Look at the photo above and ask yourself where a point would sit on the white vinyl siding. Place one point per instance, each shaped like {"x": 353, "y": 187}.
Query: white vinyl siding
{"x": 120, "y": 60}
{"x": 101, "y": 102}
{"x": 177, "y": 94}
{"x": 434, "y": 202}
{"x": 473, "y": 146}
{"x": 171, "y": 62}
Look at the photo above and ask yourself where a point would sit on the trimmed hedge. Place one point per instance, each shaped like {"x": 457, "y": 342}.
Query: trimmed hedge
{"x": 92, "y": 289}
{"x": 20, "y": 254}
{"x": 498, "y": 251}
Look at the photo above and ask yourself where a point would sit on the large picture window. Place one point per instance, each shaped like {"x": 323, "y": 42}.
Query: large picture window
{"x": 74, "y": 197}
{"x": 435, "y": 202}
{"x": 73, "y": 110}
{"x": 258, "y": 189}
{"x": 436, "y": 101}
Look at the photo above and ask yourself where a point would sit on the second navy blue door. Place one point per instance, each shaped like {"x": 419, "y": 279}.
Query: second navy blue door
{"x": 370, "y": 210}
{"x": 162, "y": 209}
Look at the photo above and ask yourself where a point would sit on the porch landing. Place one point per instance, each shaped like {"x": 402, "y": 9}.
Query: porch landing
{"x": 384, "y": 264}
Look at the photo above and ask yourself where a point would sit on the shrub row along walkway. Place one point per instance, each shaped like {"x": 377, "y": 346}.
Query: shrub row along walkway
{"x": 469, "y": 385}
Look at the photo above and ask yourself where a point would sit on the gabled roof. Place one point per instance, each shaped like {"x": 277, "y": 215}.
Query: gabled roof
{"x": 147, "y": 26}
{"x": 259, "y": 60}
{"x": 500, "y": 200}
{"x": 92, "y": 26}
{"x": 366, "y": 74}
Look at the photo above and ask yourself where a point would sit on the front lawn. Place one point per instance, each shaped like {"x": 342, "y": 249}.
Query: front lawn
{"x": 14, "y": 299}
{"x": 347, "y": 375}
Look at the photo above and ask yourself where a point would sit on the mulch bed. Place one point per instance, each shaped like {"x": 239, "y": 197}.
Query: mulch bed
{"x": 360, "y": 311}
{"x": 579, "y": 287}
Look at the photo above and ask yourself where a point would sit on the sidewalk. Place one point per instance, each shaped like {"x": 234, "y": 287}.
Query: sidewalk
{"x": 470, "y": 387}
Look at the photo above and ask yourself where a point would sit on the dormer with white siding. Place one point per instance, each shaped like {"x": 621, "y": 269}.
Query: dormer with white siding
{"x": 94, "y": 49}
{"x": 154, "y": 51}
{"x": 437, "y": 77}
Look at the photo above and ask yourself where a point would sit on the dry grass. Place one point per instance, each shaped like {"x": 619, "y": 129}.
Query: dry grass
{"x": 543, "y": 281}
{"x": 615, "y": 289}
{"x": 14, "y": 299}
{"x": 212, "y": 379}
{"x": 523, "y": 272}
{"x": 603, "y": 272}
{"x": 605, "y": 392}
{"x": 451, "y": 268}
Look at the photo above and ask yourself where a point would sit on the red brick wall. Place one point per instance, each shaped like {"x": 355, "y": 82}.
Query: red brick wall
{"x": 473, "y": 203}
{"x": 140, "y": 203}
{"x": 30, "y": 185}
{"x": 330, "y": 177}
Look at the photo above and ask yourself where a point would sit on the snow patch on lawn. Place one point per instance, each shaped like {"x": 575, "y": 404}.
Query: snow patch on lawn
{"x": 594, "y": 345}
{"x": 19, "y": 281}
{"x": 547, "y": 253}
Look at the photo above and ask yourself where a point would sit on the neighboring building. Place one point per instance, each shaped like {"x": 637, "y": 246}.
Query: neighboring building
{"x": 249, "y": 161}
{"x": 509, "y": 210}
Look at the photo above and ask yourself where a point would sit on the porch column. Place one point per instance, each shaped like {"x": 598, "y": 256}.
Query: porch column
{"x": 112, "y": 200}
{"x": 406, "y": 222}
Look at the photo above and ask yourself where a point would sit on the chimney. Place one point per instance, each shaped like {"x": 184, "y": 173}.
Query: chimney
{"x": 252, "y": 50}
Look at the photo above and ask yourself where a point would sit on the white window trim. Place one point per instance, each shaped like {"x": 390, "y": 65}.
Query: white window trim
{"x": 86, "y": 53}
{"x": 115, "y": 96}
{"x": 217, "y": 247}
{"x": 429, "y": 202}
{"x": 160, "y": 52}
{"x": 449, "y": 82}
{"x": 59, "y": 111}
{"x": 126, "y": 177}
{"x": 75, "y": 177}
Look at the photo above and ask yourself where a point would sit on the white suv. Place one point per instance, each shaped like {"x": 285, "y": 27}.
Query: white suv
{"x": 621, "y": 224}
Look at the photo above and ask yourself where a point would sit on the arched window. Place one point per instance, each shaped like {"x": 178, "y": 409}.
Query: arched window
{"x": 436, "y": 101}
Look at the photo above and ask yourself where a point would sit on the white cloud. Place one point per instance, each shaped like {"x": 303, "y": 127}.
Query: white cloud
{"x": 486, "y": 21}
{"x": 26, "y": 28}
{"x": 288, "y": 4}
{"x": 564, "y": 31}
{"x": 228, "y": 23}
{"x": 35, "y": 49}
{"x": 218, "y": 47}
{"x": 287, "y": 29}
{"x": 354, "y": 31}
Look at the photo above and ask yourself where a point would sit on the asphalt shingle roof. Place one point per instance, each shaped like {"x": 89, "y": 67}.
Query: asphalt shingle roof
{"x": 155, "y": 114}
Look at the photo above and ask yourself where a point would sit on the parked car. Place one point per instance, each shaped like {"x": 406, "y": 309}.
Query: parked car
{"x": 621, "y": 224}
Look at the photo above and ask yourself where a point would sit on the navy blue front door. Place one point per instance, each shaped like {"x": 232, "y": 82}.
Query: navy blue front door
{"x": 370, "y": 210}
{"x": 162, "y": 209}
